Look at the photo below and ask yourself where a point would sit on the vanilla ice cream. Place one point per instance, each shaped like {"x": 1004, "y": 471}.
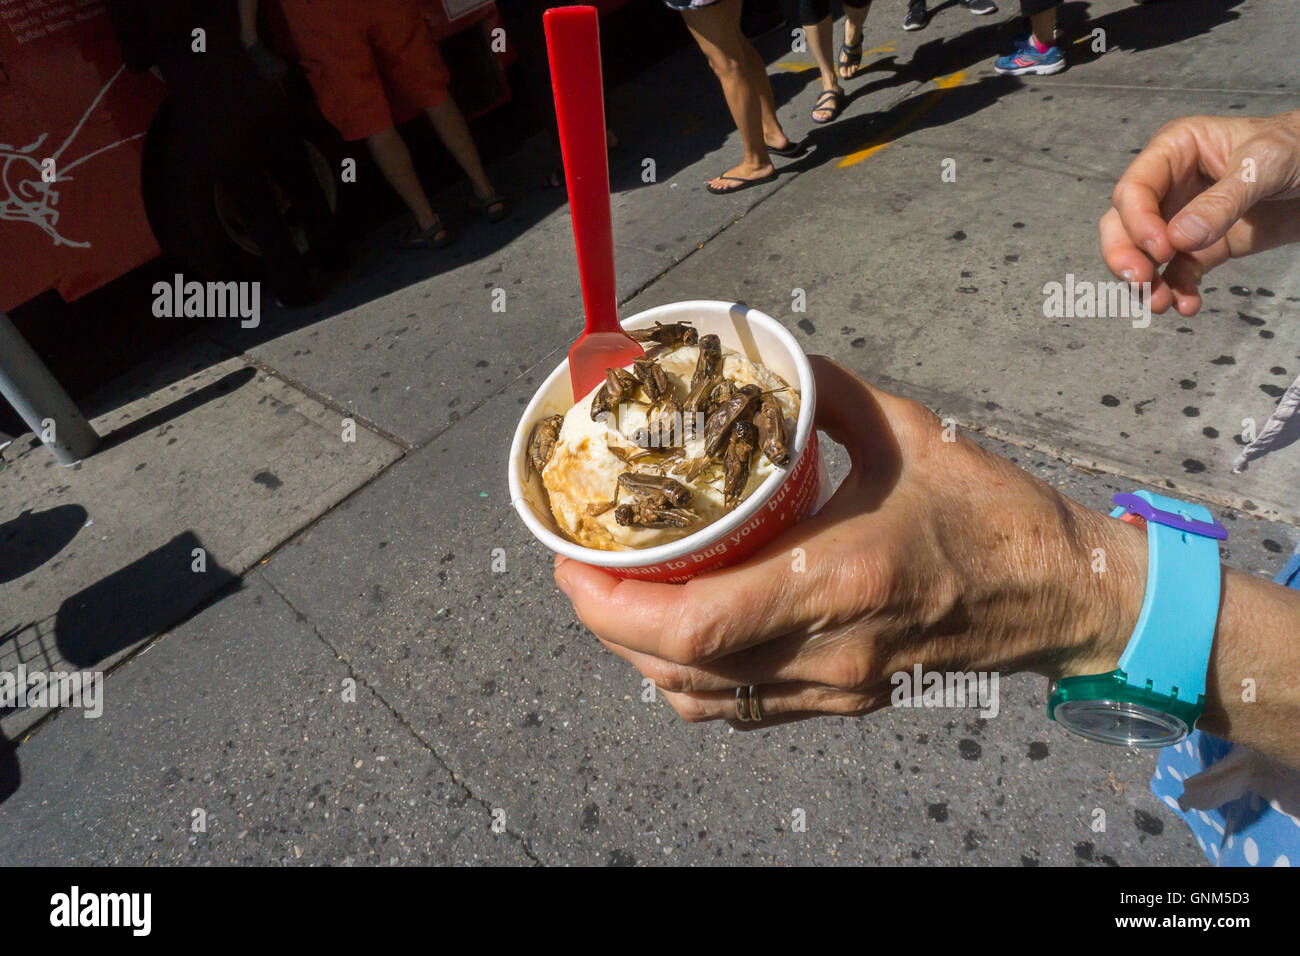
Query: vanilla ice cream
{"x": 582, "y": 474}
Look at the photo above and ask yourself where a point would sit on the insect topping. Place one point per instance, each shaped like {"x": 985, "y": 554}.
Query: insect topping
{"x": 541, "y": 441}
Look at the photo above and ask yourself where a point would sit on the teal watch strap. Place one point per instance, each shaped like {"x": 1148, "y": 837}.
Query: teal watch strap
{"x": 1169, "y": 652}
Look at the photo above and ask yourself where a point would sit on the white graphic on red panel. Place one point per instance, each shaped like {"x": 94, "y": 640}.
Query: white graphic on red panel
{"x": 25, "y": 196}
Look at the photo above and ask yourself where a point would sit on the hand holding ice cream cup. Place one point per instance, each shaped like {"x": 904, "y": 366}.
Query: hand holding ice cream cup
{"x": 688, "y": 462}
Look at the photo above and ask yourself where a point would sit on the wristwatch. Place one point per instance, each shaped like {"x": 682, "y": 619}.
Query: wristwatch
{"x": 1155, "y": 696}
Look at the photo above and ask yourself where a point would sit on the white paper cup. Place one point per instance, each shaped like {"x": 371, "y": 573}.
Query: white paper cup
{"x": 786, "y": 496}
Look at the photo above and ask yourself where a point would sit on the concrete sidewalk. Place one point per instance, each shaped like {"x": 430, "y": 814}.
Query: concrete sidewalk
{"x": 347, "y": 679}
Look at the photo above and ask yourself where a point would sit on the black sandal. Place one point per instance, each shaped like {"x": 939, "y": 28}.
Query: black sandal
{"x": 837, "y": 104}
{"x": 739, "y": 179}
{"x": 849, "y": 57}
{"x": 788, "y": 152}
{"x": 437, "y": 236}
{"x": 494, "y": 208}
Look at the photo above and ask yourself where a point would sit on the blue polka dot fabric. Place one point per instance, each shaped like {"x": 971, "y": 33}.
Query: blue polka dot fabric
{"x": 1247, "y": 831}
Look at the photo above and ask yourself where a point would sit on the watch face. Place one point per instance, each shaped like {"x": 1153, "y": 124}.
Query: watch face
{"x": 1120, "y": 722}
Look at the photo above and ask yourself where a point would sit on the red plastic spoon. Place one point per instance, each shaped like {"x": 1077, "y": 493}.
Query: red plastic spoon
{"x": 573, "y": 44}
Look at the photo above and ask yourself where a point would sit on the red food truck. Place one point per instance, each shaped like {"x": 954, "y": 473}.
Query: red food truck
{"x": 75, "y": 127}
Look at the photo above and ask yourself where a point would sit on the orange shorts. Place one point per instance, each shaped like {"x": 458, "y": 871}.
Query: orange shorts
{"x": 371, "y": 62}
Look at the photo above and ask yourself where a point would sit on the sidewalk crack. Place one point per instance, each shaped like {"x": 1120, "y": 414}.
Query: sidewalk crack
{"x": 406, "y": 724}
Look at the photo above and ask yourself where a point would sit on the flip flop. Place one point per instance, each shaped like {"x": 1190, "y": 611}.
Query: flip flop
{"x": 849, "y": 58}
{"x": 788, "y": 152}
{"x": 837, "y": 104}
{"x": 738, "y": 179}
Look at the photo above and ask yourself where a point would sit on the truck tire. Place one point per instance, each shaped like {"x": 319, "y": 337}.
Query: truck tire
{"x": 192, "y": 216}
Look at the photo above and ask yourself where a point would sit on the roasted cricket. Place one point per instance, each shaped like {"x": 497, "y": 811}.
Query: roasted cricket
{"x": 541, "y": 441}
{"x": 619, "y": 386}
{"x": 666, "y": 429}
{"x": 724, "y": 391}
{"x": 740, "y": 452}
{"x": 772, "y": 438}
{"x": 650, "y": 514}
{"x": 654, "y": 488}
{"x": 687, "y": 452}
{"x": 708, "y": 372}
{"x": 654, "y": 383}
{"x": 727, "y": 415}
{"x": 672, "y": 336}
{"x": 629, "y": 456}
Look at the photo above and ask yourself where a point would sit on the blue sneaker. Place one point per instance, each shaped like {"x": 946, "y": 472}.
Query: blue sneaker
{"x": 1027, "y": 59}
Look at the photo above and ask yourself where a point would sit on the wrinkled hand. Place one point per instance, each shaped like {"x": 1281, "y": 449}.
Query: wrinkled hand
{"x": 269, "y": 65}
{"x": 1204, "y": 190}
{"x": 932, "y": 552}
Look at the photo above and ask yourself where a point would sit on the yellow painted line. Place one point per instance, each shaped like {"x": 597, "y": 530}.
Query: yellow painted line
{"x": 943, "y": 84}
{"x": 803, "y": 67}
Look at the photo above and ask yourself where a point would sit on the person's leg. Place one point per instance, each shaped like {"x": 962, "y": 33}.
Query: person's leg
{"x": 854, "y": 18}
{"x": 394, "y": 161}
{"x": 1038, "y": 55}
{"x": 342, "y": 69}
{"x": 819, "y": 39}
{"x": 756, "y": 70}
{"x": 1043, "y": 27}
{"x": 408, "y": 58}
{"x": 716, "y": 29}
{"x": 449, "y": 122}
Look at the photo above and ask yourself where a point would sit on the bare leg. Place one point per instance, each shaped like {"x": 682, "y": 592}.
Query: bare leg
{"x": 450, "y": 125}
{"x": 716, "y": 29}
{"x": 819, "y": 38}
{"x": 854, "y": 18}
{"x": 756, "y": 70}
{"x": 1044, "y": 27}
{"x": 394, "y": 161}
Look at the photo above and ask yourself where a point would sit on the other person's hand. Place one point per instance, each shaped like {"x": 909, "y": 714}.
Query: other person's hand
{"x": 931, "y": 552}
{"x": 1204, "y": 190}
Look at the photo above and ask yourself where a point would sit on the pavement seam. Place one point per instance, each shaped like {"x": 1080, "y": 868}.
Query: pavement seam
{"x": 329, "y": 403}
{"x": 1268, "y": 511}
{"x": 402, "y": 721}
{"x": 1290, "y": 94}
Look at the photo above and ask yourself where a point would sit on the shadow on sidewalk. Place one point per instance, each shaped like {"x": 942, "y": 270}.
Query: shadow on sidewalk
{"x": 10, "y": 776}
{"x": 34, "y": 537}
{"x": 133, "y": 604}
{"x": 182, "y": 406}
{"x": 138, "y": 601}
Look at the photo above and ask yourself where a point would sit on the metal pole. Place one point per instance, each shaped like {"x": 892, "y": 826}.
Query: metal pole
{"x": 40, "y": 400}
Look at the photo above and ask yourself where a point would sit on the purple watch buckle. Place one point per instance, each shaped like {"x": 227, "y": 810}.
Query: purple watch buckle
{"x": 1139, "y": 506}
